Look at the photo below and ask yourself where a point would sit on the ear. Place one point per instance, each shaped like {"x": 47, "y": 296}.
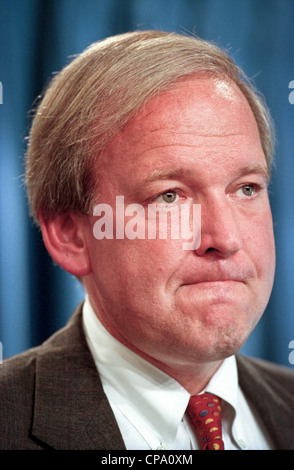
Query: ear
{"x": 65, "y": 240}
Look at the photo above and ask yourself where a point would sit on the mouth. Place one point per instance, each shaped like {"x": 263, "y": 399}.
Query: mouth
{"x": 223, "y": 284}
{"x": 217, "y": 276}
{"x": 215, "y": 283}
{"x": 218, "y": 273}
{"x": 216, "y": 280}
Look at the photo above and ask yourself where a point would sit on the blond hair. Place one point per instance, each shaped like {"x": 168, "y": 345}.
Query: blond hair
{"x": 97, "y": 94}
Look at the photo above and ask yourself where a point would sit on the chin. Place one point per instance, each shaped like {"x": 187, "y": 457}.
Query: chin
{"x": 219, "y": 342}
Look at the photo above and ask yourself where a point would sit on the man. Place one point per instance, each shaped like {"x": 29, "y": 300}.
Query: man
{"x": 156, "y": 122}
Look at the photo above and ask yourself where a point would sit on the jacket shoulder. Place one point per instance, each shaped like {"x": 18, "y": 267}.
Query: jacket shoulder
{"x": 18, "y": 388}
{"x": 267, "y": 371}
{"x": 275, "y": 381}
{"x": 17, "y": 382}
{"x": 17, "y": 372}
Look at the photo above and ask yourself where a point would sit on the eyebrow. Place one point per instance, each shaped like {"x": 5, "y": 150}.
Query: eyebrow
{"x": 256, "y": 168}
{"x": 165, "y": 174}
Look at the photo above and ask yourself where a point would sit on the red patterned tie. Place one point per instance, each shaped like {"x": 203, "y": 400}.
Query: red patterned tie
{"x": 205, "y": 413}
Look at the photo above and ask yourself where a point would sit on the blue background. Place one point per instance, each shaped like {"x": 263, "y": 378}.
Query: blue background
{"x": 37, "y": 38}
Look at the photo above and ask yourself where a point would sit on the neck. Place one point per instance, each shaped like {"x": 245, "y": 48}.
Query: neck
{"x": 196, "y": 381}
{"x": 192, "y": 377}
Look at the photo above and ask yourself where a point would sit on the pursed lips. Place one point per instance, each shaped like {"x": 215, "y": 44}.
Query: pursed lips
{"x": 234, "y": 275}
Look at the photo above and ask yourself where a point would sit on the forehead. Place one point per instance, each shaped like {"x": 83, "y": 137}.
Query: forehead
{"x": 203, "y": 113}
{"x": 212, "y": 99}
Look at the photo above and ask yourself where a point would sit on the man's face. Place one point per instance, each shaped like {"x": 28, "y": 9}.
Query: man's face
{"x": 196, "y": 144}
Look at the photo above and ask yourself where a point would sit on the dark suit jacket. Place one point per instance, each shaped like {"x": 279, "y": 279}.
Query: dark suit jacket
{"x": 52, "y": 397}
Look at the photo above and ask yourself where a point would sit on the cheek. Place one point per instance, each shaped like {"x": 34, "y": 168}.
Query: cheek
{"x": 260, "y": 246}
{"x": 134, "y": 267}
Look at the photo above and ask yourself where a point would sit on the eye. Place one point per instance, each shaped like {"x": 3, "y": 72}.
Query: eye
{"x": 248, "y": 190}
{"x": 168, "y": 197}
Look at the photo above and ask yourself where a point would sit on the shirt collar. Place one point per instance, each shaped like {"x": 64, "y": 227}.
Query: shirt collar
{"x": 224, "y": 383}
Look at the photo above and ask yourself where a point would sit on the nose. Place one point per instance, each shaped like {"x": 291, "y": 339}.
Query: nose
{"x": 220, "y": 228}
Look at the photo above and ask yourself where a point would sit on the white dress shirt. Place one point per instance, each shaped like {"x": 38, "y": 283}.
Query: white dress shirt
{"x": 150, "y": 406}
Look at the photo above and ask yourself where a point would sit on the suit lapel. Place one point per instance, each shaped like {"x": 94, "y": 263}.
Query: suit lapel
{"x": 266, "y": 387}
{"x": 71, "y": 410}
